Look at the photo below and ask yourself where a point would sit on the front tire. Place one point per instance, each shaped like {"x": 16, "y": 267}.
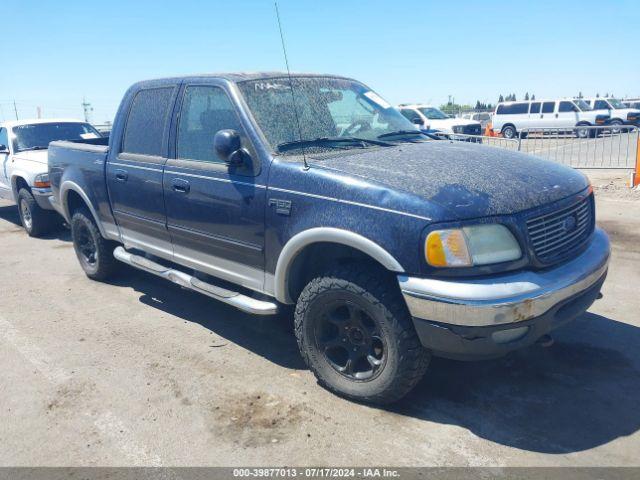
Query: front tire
{"x": 94, "y": 252}
{"x": 356, "y": 335}
{"x": 582, "y": 132}
{"x": 616, "y": 126}
{"x": 35, "y": 220}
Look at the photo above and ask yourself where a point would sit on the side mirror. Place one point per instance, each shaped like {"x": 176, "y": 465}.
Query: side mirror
{"x": 229, "y": 148}
{"x": 417, "y": 121}
{"x": 4, "y": 149}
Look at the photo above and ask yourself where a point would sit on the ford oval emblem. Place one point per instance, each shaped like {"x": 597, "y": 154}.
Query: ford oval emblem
{"x": 570, "y": 223}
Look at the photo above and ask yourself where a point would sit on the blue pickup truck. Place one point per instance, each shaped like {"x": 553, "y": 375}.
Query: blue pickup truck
{"x": 265, "y": 191}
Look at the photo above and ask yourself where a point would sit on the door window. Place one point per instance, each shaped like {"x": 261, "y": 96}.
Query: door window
{"x": 205, "y": 111}
{"x": 4, "y": 137}
{"x": 144, "y": 132}
{"x": 601, "y": 105}
{"x": 548, "y": 107}
{"x": 410, "y": 114}
{"x": 567, "y": 107}
{"x": 535, "y": 107}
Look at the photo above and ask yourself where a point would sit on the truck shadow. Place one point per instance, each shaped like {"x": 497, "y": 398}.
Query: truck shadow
{"x": 271, "y": 337}
{"x": 578, "y": 394}
{"x": 9, "y": 213}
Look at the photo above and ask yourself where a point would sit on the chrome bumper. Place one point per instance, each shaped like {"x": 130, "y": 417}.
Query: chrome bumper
{"x": 508, "y": 298}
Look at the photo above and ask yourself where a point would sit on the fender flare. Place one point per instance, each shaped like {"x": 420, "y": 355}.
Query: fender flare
{"x": 298, "y": 242}
{"x": 70, "y": 186}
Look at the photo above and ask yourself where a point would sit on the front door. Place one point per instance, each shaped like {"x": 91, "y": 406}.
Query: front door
{"x": 134, "y": 173}
{"x": 5, "y": 182}
{"x": 215, "y": 213}
{"x": 567, "y": 115}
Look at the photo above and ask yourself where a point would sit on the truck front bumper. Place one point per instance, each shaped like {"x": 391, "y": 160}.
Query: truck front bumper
{"x": 491, "y": 316}
{"x": 42, "y": 196}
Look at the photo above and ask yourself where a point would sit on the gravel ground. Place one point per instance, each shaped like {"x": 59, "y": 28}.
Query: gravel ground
{"x": 139, "y": 372}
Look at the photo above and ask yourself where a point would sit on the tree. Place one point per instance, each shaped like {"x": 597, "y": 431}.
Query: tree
{"x": 501, "y": 98}
{"x": 526, "y": 96}
{"x": 597, "y": 95}
{"x": 580, "y": 94}
{"x": 533, "y": 96}
{"x": 478, "y": 105}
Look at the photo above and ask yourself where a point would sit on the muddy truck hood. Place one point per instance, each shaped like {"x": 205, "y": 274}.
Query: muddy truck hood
{"x": 468, "y": 180}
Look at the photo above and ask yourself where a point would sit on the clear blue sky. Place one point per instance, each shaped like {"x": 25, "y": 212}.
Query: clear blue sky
{"x": 57, "y": 52}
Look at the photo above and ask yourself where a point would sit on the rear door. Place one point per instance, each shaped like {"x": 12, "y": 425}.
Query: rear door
{"x": 134, "y": 171}
{"x": 215, "y": 212}
{"x": 535, "y": 115}
{"x": 548, "y": 115}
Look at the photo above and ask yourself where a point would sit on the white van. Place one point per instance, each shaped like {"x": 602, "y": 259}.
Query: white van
{"x": 620, "y": 113}
{"x": 510, "y": 118}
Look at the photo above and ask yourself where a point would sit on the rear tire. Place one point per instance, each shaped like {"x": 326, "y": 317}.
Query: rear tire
{"x": 509, "y": 131}
{"x": 94, "y": 252}
{"x": 356, "y": 335}
{"x": 35, "y": 220}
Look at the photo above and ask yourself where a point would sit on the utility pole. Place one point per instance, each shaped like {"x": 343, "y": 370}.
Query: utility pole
{"x": 15, "y": 109}
{"x": 86, "y": 106}
{"x": 39, "y": 112}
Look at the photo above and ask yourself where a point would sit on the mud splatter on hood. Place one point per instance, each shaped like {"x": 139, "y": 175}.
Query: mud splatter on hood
{"x": 466, "y": 179}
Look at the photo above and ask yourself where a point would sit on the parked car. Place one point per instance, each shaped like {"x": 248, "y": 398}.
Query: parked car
{"x": 635, "y": 104}
{"x": 391, "y": 246}
{"x": 620, "y": 114}
{"x": 567, "y": 114}
{"x": 23, "y": 166}
{"x": 432, "y": 118}
{"x": 483, "y": 117}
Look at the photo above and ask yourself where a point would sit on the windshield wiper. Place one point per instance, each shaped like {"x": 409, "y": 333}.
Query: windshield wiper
{"x": 37, "y": 147}
{"x": 330, "y": 142}
{"x": 400, "y": 132}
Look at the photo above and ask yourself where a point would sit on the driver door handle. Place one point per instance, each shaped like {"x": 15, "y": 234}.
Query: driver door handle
{"x": 179, "y": 185}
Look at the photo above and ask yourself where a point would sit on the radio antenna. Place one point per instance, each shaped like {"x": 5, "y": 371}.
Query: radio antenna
{"x": 293, "y": 96}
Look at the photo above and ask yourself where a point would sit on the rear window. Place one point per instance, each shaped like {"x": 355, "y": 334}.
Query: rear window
{"x": 146, "y": 123}
{"x": 513, "y": 109}
{"x": 548, "y": 107}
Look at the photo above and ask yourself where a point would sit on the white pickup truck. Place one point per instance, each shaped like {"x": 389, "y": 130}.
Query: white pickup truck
{"x": 24, "y": 177}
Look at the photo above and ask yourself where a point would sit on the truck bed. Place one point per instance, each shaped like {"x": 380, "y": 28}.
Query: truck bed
{"x": 80, "y": 163}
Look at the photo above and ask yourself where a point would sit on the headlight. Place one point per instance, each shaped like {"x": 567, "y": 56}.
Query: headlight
{"x": 469, "y": 246}
{"x": 42, "y": 181}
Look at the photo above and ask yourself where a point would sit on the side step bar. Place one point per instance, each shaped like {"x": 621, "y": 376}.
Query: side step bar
{"x": 235, "y": 299}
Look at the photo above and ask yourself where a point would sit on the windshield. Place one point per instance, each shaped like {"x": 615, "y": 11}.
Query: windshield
{"x": 615, "y": 103}
{"x": 38, "y": 135}
{"x": 582, "y": 105}
{"x": 326, "y": 107}
{"x": 433, "y": 113}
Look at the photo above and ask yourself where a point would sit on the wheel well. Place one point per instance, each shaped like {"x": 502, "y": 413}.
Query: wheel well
{"x": 74, "y": 202}
{"x": 18, "y": 184}
{"x": 320, "y": 257}
{"x": 508, "y": 125}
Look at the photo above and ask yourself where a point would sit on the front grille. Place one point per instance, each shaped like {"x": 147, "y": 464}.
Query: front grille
{"x": 472, "y": 129}
{"x": 555, "y": 235}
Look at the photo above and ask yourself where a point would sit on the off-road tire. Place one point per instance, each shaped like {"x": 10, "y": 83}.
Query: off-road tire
{"x": 35, "y": 220}
{"x": 406, "y": 359}
{"x": 84, "y": 230}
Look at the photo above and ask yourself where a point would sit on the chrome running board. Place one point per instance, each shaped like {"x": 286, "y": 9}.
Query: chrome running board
{"x": 235, "y": 299}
